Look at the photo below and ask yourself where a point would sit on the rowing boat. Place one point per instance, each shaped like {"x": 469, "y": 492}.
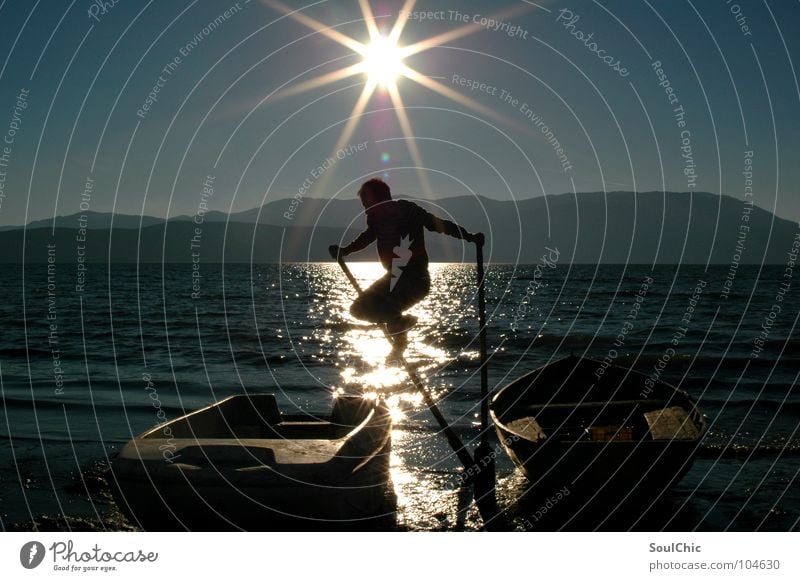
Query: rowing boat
{"x": 242, "y": 464}
{"x": 600, "y": 430}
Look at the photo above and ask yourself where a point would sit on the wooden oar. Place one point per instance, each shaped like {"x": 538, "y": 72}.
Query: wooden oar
{"x": 455, "y": 442}
{"x": 485, "y": 478}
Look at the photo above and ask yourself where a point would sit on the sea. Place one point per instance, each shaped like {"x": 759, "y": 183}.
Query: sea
{"x": 92, "y": 355}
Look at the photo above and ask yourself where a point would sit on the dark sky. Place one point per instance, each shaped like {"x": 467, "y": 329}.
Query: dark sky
{"x": 552, "y": 109}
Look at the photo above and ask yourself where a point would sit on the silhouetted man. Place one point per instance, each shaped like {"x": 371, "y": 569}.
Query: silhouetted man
{"x": 397, "y": 226}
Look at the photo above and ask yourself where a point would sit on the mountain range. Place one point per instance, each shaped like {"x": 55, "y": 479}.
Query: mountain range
{"x": 590, "y": 227}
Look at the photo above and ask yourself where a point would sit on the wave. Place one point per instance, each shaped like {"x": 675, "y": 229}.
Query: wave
{"x": 72, "y": 440}
{"x": 19, "y": 403}
{"x": 755, "y": 404}
{"x": 517, "y": 342}
{"x": 719, "y": 451}
{"x": 21, "y": 352}
{"x": 706, "y": 362}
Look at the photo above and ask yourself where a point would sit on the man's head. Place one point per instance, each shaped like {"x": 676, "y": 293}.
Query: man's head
{"x": 374, "y": 192}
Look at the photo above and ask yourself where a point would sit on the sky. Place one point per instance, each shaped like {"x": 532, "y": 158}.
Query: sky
{"x": 171, "y": 107}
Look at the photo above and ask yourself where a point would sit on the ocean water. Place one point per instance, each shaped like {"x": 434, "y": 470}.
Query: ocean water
{"x": 84, "y": 370}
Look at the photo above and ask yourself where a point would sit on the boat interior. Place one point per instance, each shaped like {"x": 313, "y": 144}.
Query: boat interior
{"x": 258, "y": 416}
{"x": 603, "y": 421}
{"x": 567, "y": 402}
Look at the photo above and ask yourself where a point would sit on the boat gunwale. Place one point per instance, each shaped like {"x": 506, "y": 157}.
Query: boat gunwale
{"x": 355, "y": 428}
{"x": 693, "y": 411}
{"x": 138, "y": 449}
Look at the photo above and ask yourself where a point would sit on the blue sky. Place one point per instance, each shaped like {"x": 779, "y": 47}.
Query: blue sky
{"x": 85, "y": 73}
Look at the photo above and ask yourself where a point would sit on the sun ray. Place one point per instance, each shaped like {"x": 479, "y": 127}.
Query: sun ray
{"x": 372, "y": 28}
{"x": 348, "y": 129}
{"x": 355, "y": 114}
{"x": 320, "y": 81}
{"x": 331, "y": 33}
{"x": 408, "y": 132}
{"x": 401, "y": 22}
{"x": 446, "y": 91}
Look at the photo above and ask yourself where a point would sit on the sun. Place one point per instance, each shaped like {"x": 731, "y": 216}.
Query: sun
{"x": 383, "y": 61}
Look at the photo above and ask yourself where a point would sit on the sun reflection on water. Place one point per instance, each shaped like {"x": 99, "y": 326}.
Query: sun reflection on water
{"x": 362, "y": 348}
{"x": 422, "y": 469}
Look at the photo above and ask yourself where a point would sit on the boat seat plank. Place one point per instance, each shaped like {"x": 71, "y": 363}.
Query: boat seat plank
{"x": 672, "y": 423}
{"x": 588, "y": 404}
{"x": 528, "y": 428}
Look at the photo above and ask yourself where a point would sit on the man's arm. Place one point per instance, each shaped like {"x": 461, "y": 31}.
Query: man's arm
{"x": 436, "y": 224}
{"x": 363, "y": 240}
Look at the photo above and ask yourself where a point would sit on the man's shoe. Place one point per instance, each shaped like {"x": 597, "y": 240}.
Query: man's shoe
{"x": 402, "y": 324}
{"x": 399, "y": 345}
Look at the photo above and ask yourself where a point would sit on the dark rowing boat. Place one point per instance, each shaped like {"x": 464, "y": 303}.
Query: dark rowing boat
{"x": 242, "y": 464}
{"x": 604, "y": 431}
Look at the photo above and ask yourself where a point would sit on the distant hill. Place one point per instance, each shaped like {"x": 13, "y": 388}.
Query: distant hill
{"x": 94, "y": 221}
{"x": 617, "y": 227}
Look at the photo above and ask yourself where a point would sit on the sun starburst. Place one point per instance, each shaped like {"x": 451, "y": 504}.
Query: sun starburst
{"x": 383, "y": 61}
{"x": 383, "y": 66}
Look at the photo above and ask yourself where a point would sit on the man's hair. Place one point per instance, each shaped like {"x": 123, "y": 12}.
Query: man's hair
{"x": 379, "y": 189}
